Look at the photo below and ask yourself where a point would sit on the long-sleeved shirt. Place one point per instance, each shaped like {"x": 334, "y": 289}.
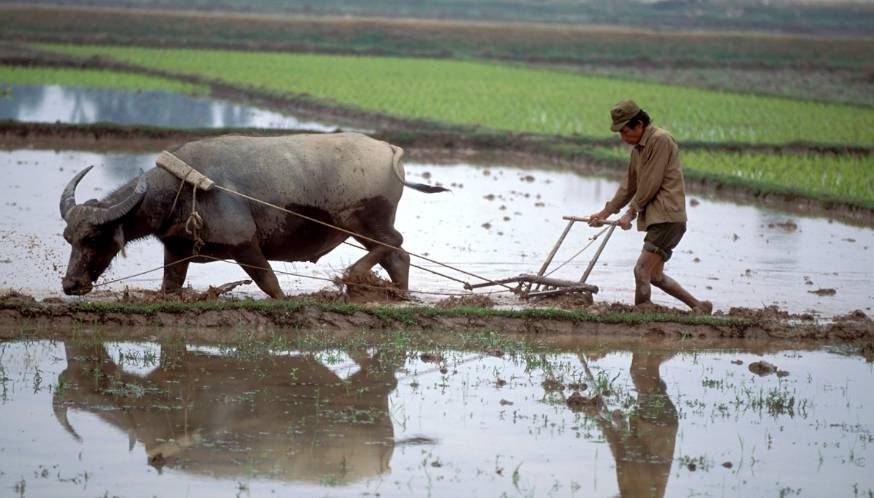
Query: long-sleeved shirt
{"x": 653, "y": 186}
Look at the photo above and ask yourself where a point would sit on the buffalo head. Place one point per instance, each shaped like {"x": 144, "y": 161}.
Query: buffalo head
{"x": 94, "y": 230}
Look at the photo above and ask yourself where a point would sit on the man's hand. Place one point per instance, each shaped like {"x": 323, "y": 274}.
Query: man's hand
{"x": 625, "y": 221}
{"x": 596, "y": 218}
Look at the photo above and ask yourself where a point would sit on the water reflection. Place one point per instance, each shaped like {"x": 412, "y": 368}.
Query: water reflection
{"x": 356, "y": 422}
{"x": 56, "y": 103}
{"x": 292, "y": 418}
{"x": 643, "y": 444}
{"x": 284, "y": 417}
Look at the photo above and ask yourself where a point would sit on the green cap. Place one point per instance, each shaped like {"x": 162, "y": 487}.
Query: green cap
{"x": 622, "y": 114}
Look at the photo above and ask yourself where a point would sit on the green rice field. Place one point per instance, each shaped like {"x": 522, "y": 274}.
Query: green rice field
{"x": 848, "y": 178}
{"x": 510, "y": 98}
{"x": 834, "y": 177}
{"x": 93, "y": 78}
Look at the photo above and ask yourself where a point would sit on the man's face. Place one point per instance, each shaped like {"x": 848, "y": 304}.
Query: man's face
{"x": 631, "y": 136}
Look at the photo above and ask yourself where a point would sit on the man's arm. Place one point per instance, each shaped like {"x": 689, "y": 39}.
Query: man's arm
{"x": 627, "y": 187}
{"x": 652, "y": 172}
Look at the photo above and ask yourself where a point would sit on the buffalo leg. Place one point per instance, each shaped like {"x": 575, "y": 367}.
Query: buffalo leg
{"x": 397, "y": 264}
{"x": 385, "y": 256}
{"x": 374, "y": 255}
{"x": 253, "y": 262}
{"x": 174, "y": 271}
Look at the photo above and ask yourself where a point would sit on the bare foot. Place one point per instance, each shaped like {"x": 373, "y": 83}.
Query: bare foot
{"x": 703, "y": 308}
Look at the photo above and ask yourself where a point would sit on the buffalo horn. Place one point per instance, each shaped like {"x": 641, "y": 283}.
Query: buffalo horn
{"x": 68, "y": 197}
{"x": 116, "y": 211}
{"x": 60, "y": 410}
{"x": 99, "y": 215}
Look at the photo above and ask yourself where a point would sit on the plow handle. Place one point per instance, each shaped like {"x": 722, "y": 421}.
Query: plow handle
{"x": 586, "y": 220}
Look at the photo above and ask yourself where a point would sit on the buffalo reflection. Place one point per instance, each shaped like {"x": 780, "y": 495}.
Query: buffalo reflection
{"x": 286, "y": 417}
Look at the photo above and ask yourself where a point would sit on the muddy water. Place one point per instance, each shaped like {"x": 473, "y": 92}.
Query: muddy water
{"x": 498, "y": 221}
{"x": 139, "y": 419}
{"x": 57, "y": 103}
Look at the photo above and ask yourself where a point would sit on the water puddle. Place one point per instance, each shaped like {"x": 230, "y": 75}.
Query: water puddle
{"x": 57, "y": 103}
{"x": 142, "y": 419}
{"x": 497, "y": 221}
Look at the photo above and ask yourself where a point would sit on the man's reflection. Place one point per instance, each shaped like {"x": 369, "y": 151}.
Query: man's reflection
{"x": 643, "y": 444}
{"x": 286, "y": 417}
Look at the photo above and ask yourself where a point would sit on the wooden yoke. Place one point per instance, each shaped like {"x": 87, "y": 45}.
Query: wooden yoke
{"x": 182, "y": 170}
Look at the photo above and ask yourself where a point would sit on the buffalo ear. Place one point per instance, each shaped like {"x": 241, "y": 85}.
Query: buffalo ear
{"x": 118, "y": 238}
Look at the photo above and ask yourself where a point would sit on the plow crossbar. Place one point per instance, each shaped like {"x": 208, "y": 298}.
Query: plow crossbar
{"x": 561, "y": 285}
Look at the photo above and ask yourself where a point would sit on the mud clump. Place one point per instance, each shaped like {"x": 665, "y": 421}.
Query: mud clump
{"x": 552, "y": 385}
{"x": 853, "y": 316}
{"x": 568, "y": 301}
{"x": 470, "y": 300}
{"x": 326, "y": 295}
{"x": 16, "y": 299}
{"x": 431, "y": 357}
{"x": 823, "y": 292}
{"x": 577, "y": 402}
{"x": 767, "y": 313}
{"x": 370, "y": 287}
{"x": 788, "y": 225}
{"x": 762, "y": 368}
{"x": 852, "y": 326}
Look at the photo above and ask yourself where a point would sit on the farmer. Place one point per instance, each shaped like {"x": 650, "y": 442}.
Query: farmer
{"x": 654, "y": 191}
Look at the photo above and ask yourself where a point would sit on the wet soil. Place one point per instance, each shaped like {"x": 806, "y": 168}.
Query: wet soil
{"x": 472, "y": 300}
{"x": 207, "y": 318}
{"x": 369, "y": 287}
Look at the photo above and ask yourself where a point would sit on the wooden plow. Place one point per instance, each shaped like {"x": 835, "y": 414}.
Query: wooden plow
{"x": 531, "y": 286}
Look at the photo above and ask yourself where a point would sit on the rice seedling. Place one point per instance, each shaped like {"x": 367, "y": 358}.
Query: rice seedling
{"x": 506, "y": 97}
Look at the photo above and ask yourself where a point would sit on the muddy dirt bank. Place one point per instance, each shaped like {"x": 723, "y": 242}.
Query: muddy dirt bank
{"x": 21, "y": 315}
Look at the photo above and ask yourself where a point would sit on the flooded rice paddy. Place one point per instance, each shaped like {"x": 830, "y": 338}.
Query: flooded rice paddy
{"x": 85, "y": 418}
{"x": 498, "y": 221}
{"x": 63, "y": 104}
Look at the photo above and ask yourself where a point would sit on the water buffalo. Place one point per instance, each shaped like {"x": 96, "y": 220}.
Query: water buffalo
{"x": 346, "y": 179}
